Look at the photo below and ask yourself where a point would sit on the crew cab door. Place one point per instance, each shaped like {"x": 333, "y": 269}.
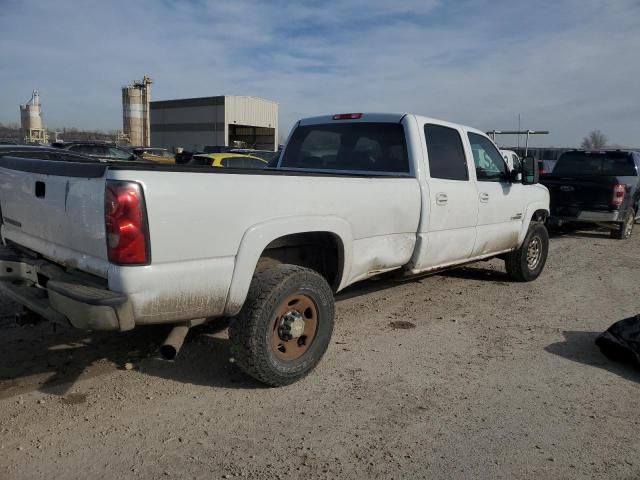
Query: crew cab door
{"x": 450, "y": 207}
{"x": 500, "y": 202}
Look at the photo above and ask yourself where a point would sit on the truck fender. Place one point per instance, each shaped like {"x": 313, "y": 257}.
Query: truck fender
{"x": 531, "y": 209}
{"x": 258, "y": 236}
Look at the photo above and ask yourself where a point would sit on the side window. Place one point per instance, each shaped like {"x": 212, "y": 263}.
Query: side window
{"x": 446, "y": 154}
{"x": 119, "y": 154}
{"x": 80, "y": 149}
{"x": 490, "y": 166}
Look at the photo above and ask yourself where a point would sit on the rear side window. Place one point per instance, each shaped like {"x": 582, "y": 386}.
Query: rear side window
{"x": 362, "y": 146}
{"x": 615, "y": 164}
{"x": 446, "y": 154}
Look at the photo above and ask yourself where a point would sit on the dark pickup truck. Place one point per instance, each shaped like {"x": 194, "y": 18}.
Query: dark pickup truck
{"x": 599, "y": 188}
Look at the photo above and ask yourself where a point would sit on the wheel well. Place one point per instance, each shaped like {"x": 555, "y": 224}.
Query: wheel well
{"x": 539, "y": 216}
{"x": 319, "y": 251}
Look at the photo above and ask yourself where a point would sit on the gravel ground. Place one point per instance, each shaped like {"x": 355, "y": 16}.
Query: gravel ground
{"x": 461, "y": 375}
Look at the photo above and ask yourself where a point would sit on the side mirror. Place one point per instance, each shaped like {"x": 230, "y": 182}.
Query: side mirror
{"x": 530, "y": 172}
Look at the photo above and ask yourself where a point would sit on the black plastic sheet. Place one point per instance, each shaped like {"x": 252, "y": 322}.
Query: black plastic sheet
{"x": 621, "y": 341}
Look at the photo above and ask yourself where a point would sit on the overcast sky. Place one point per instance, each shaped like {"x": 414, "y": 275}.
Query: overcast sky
{"x": 568, "y": 66}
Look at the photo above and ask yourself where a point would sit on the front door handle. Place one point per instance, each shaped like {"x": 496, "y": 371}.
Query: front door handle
{"x": 441, "y": 198}
{"x": 484, "y": 197}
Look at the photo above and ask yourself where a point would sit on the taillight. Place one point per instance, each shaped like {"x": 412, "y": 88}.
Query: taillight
{"x": 125, "y": 218}
{"x": 347, "y": 116}
{"x": 618, "y": 194}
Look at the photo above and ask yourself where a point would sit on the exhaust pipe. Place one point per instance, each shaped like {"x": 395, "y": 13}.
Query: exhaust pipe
{"x": 171, "y": 346}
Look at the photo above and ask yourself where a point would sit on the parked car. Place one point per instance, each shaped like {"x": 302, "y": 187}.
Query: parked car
{"x": 99, "y": 150}
{"x": 112, "y": 246}
{"x": 41, "y": 152}
{"x": 227, "y": 160}
{"x": 512, "y": 159}
{"x": 161, "y": 155}
{"x": 598, "y": 188}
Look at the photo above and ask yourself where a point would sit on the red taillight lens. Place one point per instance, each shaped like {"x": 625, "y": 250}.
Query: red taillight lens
{"x": 618, "y": 194}
{"x": 347, "y": 116}
{"x": 125, "y": 219}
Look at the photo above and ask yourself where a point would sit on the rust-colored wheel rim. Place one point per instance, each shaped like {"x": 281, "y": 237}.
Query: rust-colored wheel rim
{"x": 293, "y": 327}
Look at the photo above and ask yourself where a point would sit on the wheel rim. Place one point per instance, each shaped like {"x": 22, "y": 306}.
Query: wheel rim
{"x": 534, "y": 253}
{"x": 293, "y": 327}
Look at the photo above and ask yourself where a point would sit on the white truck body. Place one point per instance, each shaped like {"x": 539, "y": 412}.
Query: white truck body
{"x": 208, "y": 228}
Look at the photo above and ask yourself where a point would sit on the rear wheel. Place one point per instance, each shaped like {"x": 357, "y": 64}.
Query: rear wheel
{"x": 624, "y": 229}
{"x": 285, "y": 325}
{"x": 526, "y": 263}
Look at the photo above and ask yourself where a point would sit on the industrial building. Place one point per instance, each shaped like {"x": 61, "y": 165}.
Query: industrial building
{"x": 135, "y": 112}
{"x": 31, "y": 121}
{"x": 192, "y": 123}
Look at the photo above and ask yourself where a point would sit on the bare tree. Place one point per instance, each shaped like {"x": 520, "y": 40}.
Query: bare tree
{"x": 596, "y": 140}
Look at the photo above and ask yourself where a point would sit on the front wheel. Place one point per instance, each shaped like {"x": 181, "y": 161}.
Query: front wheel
{"x": 527, "y": 262}
{"x": 285, "y": 325}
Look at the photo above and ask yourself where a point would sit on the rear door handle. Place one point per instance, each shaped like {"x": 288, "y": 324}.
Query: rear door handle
{"x": 441, "y": 198}
{"x": 484, "y": 197}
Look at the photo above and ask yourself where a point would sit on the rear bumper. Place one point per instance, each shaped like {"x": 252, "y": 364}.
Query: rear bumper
{"x": 48, "y": 290}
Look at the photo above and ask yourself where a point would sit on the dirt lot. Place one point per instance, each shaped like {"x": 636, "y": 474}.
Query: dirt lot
{"x": 496, "y": 380}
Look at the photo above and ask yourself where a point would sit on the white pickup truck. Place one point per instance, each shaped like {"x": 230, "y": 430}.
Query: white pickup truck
{"x": 109, "y": 246}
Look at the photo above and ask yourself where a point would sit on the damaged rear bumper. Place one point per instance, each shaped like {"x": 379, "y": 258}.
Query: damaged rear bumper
{"x": 60, "y": 296}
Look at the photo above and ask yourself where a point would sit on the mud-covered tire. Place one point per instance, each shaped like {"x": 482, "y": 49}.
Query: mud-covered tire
{"x": 519, "y": 263}
{"x": 252, "y": 332}
{"x": 625, "y": 228}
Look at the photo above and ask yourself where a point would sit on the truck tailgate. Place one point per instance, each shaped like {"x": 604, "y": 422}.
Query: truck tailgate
{"x": 570, "y": 195}
{"x": 56, "y": 209}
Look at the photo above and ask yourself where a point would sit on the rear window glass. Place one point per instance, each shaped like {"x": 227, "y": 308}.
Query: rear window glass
{"x": 364, "y": 147}
{"x": 583, "y": 163}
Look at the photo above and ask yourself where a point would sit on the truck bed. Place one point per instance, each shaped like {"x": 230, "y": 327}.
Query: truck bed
{"x": 199, "y": 219}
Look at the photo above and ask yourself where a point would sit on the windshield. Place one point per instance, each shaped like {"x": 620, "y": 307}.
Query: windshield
{"x": 618, "y": 164}
{"x": 362, "y": 147}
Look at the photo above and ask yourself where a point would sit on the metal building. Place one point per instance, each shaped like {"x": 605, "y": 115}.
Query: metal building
{"x": 31, "y": 121}
{"x": 193, "y": 123}
{"x": 136, "y": 123}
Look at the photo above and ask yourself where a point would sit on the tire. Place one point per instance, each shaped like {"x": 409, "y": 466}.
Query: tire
{"x": 518, "y": 264}
{"x": 285, "y": 325}
{"x": 623, "y": 230}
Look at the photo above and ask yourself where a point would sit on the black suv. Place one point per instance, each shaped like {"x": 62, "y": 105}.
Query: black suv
{"x": 600, "y": 188}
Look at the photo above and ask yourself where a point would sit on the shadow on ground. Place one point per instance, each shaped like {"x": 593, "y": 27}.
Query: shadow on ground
{"x": 52, "y": 359}
{"x": 580, "y": 347}
{"x": 479, "y": 273}
{"x": 585, "y": 231}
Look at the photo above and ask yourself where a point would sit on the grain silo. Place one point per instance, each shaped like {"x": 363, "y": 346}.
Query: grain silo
{"x": 31, "y": 121}
{"x": 135, "y": 112}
